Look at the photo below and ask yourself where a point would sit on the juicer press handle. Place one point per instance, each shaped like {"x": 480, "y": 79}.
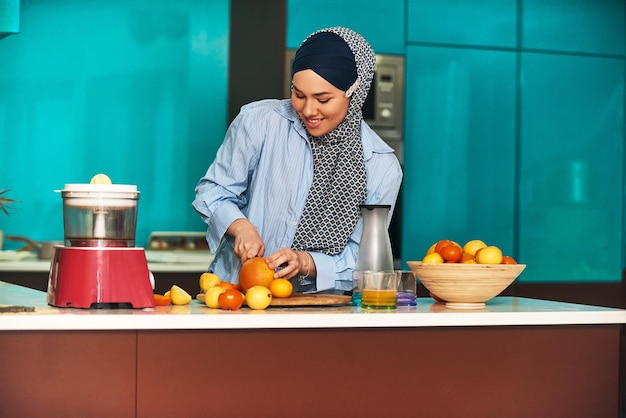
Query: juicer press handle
{"x": 28, "y": 241}
{"x": 45, "y": 249}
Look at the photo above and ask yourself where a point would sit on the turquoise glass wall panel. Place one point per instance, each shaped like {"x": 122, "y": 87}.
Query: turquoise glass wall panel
{"x": 571, "y": 177}
{"x": 9, "y": 17}
{"x": 574, "y": 25}
{"x": 380, "y": 22}
{"x": 136, "y": 90}
{"x": 460, "y": 148}
{"x": 463, "y": 22}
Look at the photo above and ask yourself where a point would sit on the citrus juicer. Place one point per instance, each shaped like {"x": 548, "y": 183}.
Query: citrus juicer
{"x": 99, "y": 266}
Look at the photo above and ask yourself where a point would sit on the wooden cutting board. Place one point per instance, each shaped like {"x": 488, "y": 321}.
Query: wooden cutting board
{"x": 300, "y": 299}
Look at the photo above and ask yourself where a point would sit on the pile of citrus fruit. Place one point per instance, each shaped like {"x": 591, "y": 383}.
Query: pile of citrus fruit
{"x": 473, "y": 252}
{"x": 175, "y": 296}
{"x": 257, "y": 286}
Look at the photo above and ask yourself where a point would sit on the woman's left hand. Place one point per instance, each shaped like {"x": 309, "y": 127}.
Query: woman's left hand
{"x": 292, "y": 262}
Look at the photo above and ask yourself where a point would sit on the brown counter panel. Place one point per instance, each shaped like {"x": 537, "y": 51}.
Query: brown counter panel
{"x": 68, "y": 374}
{"x": 548, "y": 371}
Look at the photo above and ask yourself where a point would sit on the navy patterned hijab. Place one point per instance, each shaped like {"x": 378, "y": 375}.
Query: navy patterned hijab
{"x": 339, "y": 185}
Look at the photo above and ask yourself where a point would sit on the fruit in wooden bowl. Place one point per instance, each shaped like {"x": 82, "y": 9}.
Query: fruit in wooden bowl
{"x": 465, "y": 286}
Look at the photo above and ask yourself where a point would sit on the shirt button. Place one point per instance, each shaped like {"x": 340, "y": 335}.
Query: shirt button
{"x": 294, "y": 223}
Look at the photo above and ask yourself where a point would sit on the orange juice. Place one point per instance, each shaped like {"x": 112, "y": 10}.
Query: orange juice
{"x": 374, "y": 298}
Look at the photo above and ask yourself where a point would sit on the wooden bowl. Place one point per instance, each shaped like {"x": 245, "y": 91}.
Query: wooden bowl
{"x": 465, "y": 286}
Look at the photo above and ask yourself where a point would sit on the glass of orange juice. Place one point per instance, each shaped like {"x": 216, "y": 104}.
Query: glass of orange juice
{"x": 379, "y": 289}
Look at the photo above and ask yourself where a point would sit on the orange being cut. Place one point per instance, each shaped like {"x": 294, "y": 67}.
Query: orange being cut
{"x": 255, "y": 272}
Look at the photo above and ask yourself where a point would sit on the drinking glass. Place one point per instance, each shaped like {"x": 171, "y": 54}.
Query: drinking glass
{"x": 379, "y": 289}
{"x": 407, "y": 288}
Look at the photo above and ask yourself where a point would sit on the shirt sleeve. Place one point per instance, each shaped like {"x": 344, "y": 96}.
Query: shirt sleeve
{"x": 221, "y": 193}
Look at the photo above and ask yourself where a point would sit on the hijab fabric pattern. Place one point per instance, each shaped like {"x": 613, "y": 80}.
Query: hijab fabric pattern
{"x": 339, "y": 184}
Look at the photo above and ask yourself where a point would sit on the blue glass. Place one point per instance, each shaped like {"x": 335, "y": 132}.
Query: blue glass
{"x": 406, "y": 299}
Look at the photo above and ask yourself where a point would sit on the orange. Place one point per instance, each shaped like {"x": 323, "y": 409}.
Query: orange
{"x": 442, "y": 243}
{"x": 431, "y": 249}
{"x": 226, "y": 285}
{"x": 281, "y": 288}
{"x": 467, "y": 258}
{"x": 230, "y": 300}
{"x": 255, "y": 272}
{"x": 451, "y": 253}
{"x": 160, "y": 300}
{"x": 508, "y": 260}
{"x": 432, "y": 258}
{"x": 489, "y": 255}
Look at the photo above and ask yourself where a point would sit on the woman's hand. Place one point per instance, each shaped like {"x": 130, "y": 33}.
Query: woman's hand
{"x": 292, "y": 263}
{"x": 248, "y": 242}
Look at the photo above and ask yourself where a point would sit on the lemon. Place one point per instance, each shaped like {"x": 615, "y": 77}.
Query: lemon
{"x": 258, "y": 297}
{"x": 472, "y": 246}
{"x": 211, "y": 297}
{"x": 100, "y": 179}
{"x": 179, "y": 296}
{"x": 432, "y": 258}
{"x": 489, "y": 255}
{"x": 208, "y": 280}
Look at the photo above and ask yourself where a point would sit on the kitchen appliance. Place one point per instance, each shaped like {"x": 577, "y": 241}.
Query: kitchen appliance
{"x": 99, "y": 265}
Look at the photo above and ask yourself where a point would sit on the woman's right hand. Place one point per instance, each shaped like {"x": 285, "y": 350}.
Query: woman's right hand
{"x": 248, "y": 242}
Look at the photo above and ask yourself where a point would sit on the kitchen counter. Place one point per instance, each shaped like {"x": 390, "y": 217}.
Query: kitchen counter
{"x": 516, "y": 358}
{"x": 501, "y": 311}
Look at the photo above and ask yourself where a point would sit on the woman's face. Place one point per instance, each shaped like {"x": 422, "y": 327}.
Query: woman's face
{"x": 319, "y": 104}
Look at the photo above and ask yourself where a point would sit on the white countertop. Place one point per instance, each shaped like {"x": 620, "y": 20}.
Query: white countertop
{"x": 500, "y": 311}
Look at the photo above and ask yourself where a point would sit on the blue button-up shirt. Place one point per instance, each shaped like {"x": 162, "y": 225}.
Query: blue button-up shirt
{"x": 263, "y": 171}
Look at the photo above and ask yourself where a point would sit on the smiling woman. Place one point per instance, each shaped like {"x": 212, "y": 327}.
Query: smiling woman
{"x": 320, "y": 105}
{"x": 302, "y": 168}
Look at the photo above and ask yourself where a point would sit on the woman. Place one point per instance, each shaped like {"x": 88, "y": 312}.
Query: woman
{"x": 288, "y": 180}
